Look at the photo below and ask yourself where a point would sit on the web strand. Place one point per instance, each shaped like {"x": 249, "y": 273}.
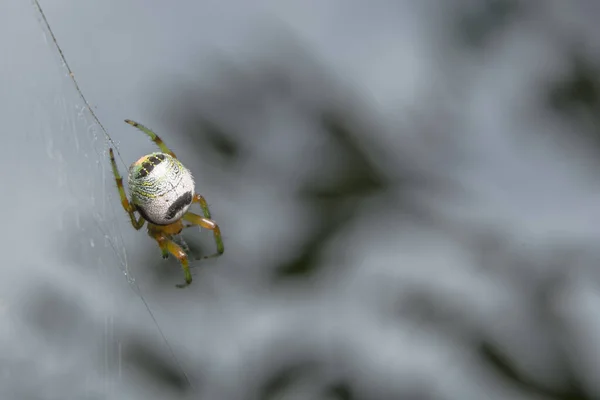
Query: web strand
{"x": 72, "y": 76}
{"x": 132, "y": 284}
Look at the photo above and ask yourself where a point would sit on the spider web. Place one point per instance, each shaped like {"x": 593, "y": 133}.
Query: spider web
{"x": 103, "y": 206}
{"x": 85, "y": 113}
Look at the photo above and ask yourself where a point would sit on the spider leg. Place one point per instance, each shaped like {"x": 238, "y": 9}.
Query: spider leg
{"x": 216, "y": 232}
{"x": 203, "y": 204}
{"x": 165, "y": 253}
{"x": 168, "y": 246}
{"x": 137, "y": 223}
{"x": 209, "y": 224}
{"x": 183, "y": 244}
{"x": 153, "y": 136}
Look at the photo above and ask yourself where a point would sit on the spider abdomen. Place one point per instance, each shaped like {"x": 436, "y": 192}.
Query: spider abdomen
{"x": 162, "y": 189}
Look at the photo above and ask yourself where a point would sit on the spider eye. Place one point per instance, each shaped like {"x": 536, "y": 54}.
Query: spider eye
{"x": 142, "y": 173}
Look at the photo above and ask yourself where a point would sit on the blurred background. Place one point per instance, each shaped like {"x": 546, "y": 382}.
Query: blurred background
{"x": 408, "y": 193}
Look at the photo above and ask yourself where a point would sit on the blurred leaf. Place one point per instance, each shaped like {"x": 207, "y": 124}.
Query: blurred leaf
{"x": 305, "y": 261}
{"x": 336, "y": 204}
{"x": 360, "y": 176}
{"x": 212, "y": 142}
{"x": 284, "y": 379}
{"x": 580, "y": 89}
{"x": 212, "y": 135}
{"x": 479, "y": 23}
{"x": 58, "y": 315}
{"x": 506, "y": 369}
{"x": 339, "y": 391}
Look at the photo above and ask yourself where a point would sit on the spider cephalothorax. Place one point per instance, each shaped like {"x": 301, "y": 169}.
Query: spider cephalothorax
{"x": 162, "y": 191}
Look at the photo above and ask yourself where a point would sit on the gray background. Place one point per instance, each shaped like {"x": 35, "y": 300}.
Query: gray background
{"x": 408, "y": 193}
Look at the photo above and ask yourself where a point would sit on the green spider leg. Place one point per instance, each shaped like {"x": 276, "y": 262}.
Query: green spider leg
{"x": 159, "y": 142}
{"x": 206, "y": 223}
{"x": 137, "y": 223}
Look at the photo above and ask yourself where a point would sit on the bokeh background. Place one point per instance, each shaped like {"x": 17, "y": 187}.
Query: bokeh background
{"x": 408, "y": 192}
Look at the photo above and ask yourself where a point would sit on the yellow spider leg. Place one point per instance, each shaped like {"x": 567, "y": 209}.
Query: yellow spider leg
{"x": 217, "y": 232}
{"x": 137, "y": 224}
{"x": 209, "y": 224}
{"x": 153, "y": 136}
{"x": 167, "y": 245}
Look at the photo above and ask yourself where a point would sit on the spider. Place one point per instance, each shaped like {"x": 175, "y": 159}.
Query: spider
{"x": 162, "y": 191}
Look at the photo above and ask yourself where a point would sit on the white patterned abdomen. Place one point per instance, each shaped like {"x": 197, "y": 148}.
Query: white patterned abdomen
{"x": 162, "y": 189}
